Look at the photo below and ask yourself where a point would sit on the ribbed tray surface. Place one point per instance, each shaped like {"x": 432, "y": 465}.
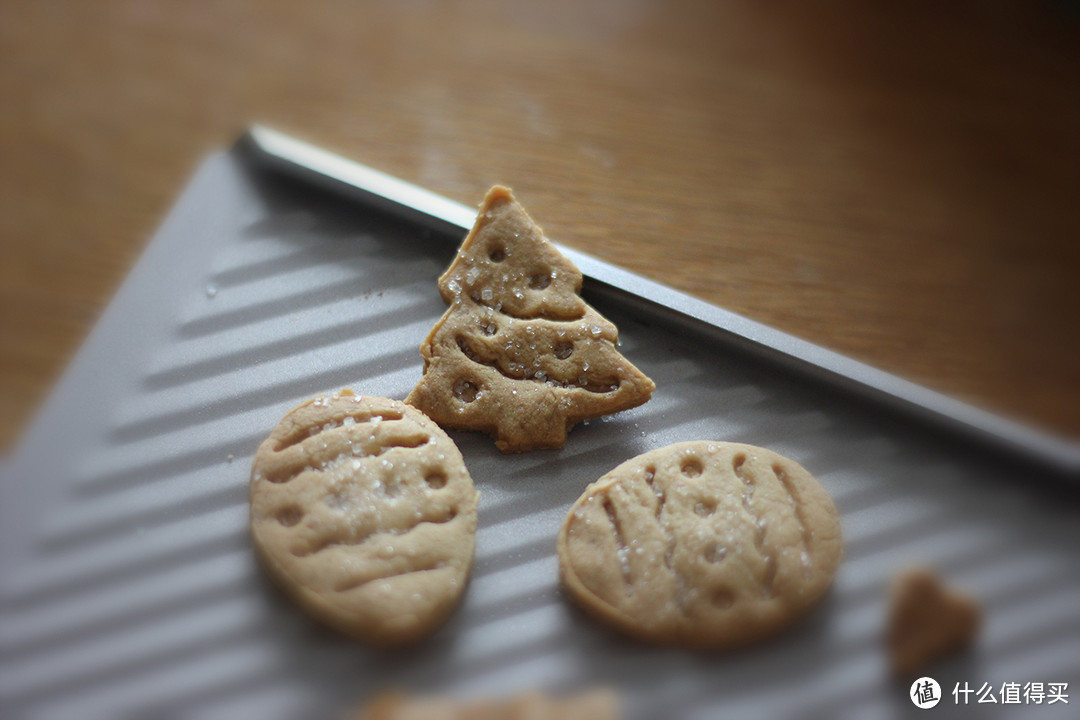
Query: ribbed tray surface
{"x": 129, "y": 588}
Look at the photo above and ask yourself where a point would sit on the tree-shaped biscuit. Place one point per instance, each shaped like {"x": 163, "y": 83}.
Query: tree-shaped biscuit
{"x": 518, "y": 354}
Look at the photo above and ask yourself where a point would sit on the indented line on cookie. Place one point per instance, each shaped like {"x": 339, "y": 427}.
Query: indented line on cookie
{"x": 348, "y": 449}
{"x": 749, "y": 486}
{"x": 799, "y": 510}
{"x": 339, "y": 539}
{"x": 650, "y": 481}
{"x": 670, "y": 541}
{"x": 622, "y": 551}
{"x": 485, "y": 298}
{"x": 360, "y": 580}
{"x": 520, "y": 371}
{"x": 335, "y": 420}
{"x": 671, "y": 546}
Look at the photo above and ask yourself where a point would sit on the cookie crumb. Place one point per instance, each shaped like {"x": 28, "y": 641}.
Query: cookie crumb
{"x": 927, "y": 620}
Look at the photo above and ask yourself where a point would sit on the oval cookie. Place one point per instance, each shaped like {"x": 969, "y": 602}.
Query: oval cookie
{"x": 701, "y": 544}
{"x": 363, "y": 511}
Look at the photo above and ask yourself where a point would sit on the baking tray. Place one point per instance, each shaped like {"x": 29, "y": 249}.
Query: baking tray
{"x": 129, "y": 586}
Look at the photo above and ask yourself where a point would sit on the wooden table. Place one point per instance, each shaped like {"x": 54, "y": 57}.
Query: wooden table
{"x": 899, "y": 184}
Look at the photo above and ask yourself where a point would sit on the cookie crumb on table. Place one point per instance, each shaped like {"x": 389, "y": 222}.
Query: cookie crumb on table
{"x": 927, "y": 620}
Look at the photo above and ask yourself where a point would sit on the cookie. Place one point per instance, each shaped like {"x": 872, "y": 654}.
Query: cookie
{"x": 593, "y": 705}
{"x": 519, "y": 354}
{"x": 363, "y": 511}
{"x": 927, "y": 621}
{"x": 701, "y": 544}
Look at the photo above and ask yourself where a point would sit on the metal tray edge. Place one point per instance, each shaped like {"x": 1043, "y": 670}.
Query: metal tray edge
{"x": 313, "y": 164}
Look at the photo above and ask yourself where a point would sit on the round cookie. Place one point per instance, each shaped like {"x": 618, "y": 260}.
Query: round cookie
{"x": 701, "y": 544}
{"x": 363, "y": 511}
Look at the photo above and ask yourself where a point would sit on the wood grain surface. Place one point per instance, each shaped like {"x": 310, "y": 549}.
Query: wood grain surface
{"x": 895, "y": 181}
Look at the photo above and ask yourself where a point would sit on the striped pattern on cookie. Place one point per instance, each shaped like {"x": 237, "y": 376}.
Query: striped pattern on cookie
{"x": 701, "y": 544}
{"x": 363, "y": 511}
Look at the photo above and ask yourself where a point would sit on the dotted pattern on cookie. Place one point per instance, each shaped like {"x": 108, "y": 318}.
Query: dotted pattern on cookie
{"x": 701, "y": 544}
{"x": 363, "y": 510}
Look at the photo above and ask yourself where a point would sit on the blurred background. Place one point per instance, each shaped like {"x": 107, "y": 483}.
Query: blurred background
{"x": 896, "y": 181}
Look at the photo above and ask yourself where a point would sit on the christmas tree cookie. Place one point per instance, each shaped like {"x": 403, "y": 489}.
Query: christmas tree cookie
{"x": 518, "y": 353}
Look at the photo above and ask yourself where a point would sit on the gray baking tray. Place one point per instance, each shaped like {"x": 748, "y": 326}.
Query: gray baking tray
{"x": 128, "y": 587}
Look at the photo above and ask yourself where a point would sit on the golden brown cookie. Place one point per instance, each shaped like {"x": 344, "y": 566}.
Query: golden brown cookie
{"x": 592, "y": 705}
{"x": 363, "y": 511}
{"x": 519, "y": 355}
{"x": 927, "y": 621}
{"x": 701, "y": 544}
